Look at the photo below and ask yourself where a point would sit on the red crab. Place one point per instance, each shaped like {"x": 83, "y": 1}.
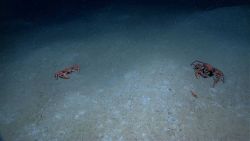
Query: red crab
{"x": 64, "y": 73}
{"x": 206, "y": 70}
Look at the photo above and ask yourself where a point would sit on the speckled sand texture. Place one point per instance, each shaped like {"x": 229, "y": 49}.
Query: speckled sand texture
{"x": 135, "y": 78}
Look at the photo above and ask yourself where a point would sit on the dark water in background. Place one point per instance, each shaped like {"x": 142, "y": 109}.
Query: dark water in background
{"x": 135, "y": 75}
{"x": 43, "y": 11}
{"x": 16, "y": 15}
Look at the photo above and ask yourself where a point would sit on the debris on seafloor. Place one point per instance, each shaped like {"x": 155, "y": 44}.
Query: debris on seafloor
{"x": 194, "y": 94}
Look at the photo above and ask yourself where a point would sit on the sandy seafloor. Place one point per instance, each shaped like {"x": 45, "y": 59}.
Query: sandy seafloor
{"x": 135, "y": 78}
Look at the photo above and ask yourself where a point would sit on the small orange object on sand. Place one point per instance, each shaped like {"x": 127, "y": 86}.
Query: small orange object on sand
{"x": 194, "y": 94}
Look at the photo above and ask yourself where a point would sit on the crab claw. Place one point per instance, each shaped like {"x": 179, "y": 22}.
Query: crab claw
{"x": 64, "y": 76}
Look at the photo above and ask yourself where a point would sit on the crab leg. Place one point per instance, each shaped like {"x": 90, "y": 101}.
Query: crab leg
{"x": 197, "y": 62}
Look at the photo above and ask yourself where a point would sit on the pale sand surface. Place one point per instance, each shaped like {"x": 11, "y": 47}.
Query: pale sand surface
{"x": 135, "y": 78}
